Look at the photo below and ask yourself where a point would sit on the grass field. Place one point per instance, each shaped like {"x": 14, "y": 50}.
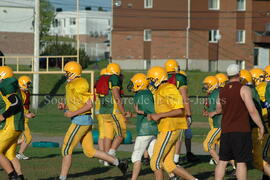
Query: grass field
{"x": 45, "y": 164}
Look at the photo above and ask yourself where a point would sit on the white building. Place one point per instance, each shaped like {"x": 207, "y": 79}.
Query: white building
{"x": 16, "y": 27}
{"x": 94, "y": 29}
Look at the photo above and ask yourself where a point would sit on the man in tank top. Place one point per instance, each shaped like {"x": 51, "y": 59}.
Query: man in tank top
{"x": 236, "y": 105}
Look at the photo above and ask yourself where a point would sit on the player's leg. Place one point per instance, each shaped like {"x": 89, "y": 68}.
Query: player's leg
{"x": 241, "y": 171}
{"x": 141, "y": 144}
{"x": 101, "y": 131}
{"x": 25, "y": 143}
{"x": 188, "y": 137}
{"x": 211, "y": 140}
{"x": 178, "y": 147}
{"x": 90, "y": 151}
{"x": 71, "y": 140}
{"x": 119, "y": 125}
{"x": 6, "y": 141}
{"x": 169, "y": 164}
{"x": 220, "y": 170}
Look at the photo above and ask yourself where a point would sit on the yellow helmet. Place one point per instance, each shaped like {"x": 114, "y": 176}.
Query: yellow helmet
{"x": 73, "y": 70}
{"x": 267, "y": 70}
{"x": 258, "y": 76}
{"x": 5, "y": 72}
{"x": 103, "y": 71}
{"x": 138, "y": 82}
{"x": 25, "y": 82}
{"x": 210, "y": 83}
{"x": 183, "y": 72}
{"x": 245, "y": 76}
{"x": 157, "y": 75}
{"x": 113, "y": 68}
{"x": 222, "y": 79}
{"x": 171, "y": 65}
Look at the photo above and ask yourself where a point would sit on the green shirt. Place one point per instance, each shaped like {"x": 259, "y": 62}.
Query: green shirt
{"x": 145, "y": 102}
{"x": 212, "y": 102}
{"x": 181, "y": 80}
{"x": 257, "y": 103}
{"x": 7, "y": 87}
{"x": 107, "y": 102}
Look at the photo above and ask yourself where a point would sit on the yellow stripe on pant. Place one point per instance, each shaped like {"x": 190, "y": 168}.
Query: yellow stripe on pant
{"x": 114, "y": 125}
{"x": 8, "y": 142}
{"x": 212, "y": 139}
{"x": 75, "y": 134}
{"x": 164, "y": 150}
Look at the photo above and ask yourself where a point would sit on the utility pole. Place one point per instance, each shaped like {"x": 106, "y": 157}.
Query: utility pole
{"x": 36, "y": 55}
{"x": 78, "y": 30}
{"x": 187, "y": 34}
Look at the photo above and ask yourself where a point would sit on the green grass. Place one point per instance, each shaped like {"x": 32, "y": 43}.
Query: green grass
{"x": 45, "y": 164}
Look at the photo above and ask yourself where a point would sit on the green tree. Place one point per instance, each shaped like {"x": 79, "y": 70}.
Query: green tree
{"x": 47, "y": 14}
{"x": 57, "y": 49}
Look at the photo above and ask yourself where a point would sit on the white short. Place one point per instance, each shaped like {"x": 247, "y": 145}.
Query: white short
{"x": 143, "y": 143}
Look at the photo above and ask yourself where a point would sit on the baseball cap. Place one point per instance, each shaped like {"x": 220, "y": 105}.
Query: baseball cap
{"x": 233, "y": 69}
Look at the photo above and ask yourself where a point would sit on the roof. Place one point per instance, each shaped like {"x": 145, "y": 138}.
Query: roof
{"x": 17, "y": 3}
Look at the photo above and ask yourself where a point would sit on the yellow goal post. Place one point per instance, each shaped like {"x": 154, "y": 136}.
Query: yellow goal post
{"x": 19, "y": 63}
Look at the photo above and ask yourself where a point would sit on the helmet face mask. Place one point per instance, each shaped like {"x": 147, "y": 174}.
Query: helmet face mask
{"x": 73, "y": 70}
{"x": 210, "y": 83}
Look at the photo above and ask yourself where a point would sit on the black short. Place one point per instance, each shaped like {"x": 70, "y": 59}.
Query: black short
{"x": 236, "y": 146}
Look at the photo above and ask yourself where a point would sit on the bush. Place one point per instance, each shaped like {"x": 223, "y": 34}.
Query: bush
{"x": 65, "y": 49}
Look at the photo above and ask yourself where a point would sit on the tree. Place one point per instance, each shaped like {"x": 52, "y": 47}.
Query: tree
{"x": 47, "y": 15}
{"x": 57, "y": 49}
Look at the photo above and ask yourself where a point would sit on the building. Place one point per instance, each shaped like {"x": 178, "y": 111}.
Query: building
{"x": 201, "y": 34}
{"x": 16, "y": 27}
{"x": 94, "y": 29}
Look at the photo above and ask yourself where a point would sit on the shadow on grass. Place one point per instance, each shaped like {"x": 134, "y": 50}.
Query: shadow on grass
{"x": 54, "y": 155}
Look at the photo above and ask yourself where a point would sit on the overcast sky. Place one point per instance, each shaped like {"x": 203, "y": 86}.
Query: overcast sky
{"x": 71, "y": 4}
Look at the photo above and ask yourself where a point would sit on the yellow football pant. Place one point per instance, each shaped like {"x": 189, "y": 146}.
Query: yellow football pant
{"x": 164, "y": 151}
{"x": 75, "y": 134}
{"x": 8, "y": 143}
{"x": 100, "y": 126}
{"x": 26, "y": 135}
{"x": 211, "y": 123}
{"x": 212, "y": 139}
{"x": 114, "y": 125}
{"x": 260, "y": 149}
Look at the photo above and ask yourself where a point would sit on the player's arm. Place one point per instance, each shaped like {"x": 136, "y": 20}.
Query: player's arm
{"x": 184, "y": 92}
{"x": 246, "y": 96}
{"x": 87, "y": 106}
{"x": 15, "y": 104}
{"x": 174, "y": 113}
{"x": 218, "y": 108}
{"x": 117, "y": 97}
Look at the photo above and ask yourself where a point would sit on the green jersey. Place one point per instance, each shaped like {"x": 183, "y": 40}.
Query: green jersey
{"x": 212, "y": 102}
{"x": 145, "y": 102}
{"x": 8, "y": 87}
{"x": 107, "y": 102}
{"x": 257, "y": 103}
{"x": 179, "y": 80}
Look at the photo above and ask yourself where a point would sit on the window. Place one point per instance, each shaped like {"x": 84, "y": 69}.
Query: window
{"x": 240, "y": 36}
{"x": 72, "y": 21}
{"x": 213, "y": 35}
{"x": 147, "y": 35}
{"x": 148, "y": 3}
{"x": 213, "y": 4}
{"x": 56, "y": 23}
{"x": 241, "y": 5}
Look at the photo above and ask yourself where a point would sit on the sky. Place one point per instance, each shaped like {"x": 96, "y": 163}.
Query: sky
{"x": 69, "y": 5}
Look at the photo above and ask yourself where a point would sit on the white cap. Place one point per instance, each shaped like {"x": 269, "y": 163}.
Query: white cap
{"x": 233, "y": 69}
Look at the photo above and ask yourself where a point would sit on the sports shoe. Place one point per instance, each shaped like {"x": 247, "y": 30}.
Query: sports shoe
{"x": 101, "y": 161}
{"x": 212, "y": 162}
{"x": 12, "y": 176}
{"x": 175, "y": 178}
{"x": 106, "y": 164}
{"x": 21, "y": 157}
{"x": 123, "y": 166}
{"x": 265, "y": 177}
{"x": 192, "y": 158}
{"x": 20, "y": 177}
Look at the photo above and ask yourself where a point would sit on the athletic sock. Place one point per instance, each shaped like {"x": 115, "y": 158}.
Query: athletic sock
{"x": 176, "y": 158}
{"x": 112, "y": 152}
{"x": 63, "y": 177}
{"x": 116, "y": 162}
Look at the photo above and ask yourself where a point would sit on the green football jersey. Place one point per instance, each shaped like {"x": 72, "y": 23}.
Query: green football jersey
{"x": 7, "y": 87}
{"x": 212, "y": 102}
{"x": 180, "y": 79}
{"x": 107, "y": 102}
{"x": 145, "y": 102}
